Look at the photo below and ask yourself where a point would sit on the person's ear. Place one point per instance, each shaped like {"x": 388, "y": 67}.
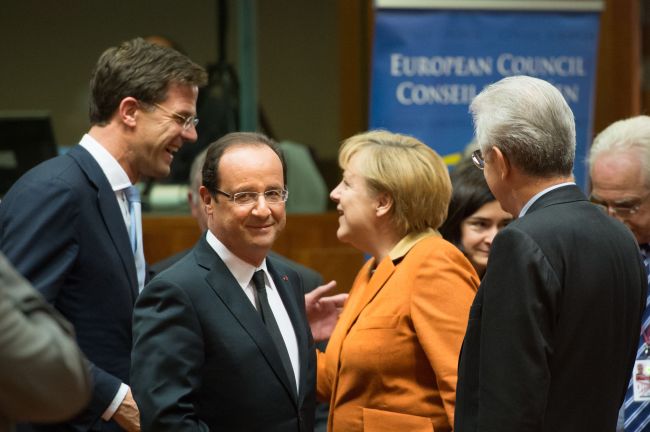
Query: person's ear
{"x": 384, "y": 204}
{"x": 206, "y": 198}
{"x": 501, "y": 163}
{"x": 127, "y": 110}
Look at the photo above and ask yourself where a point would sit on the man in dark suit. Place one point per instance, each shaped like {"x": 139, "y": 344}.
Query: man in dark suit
{"x": 78, "y": 244}
{"x": 216, "y": 348}
{"x": 619, "y": 165}
{"x": 310, "y": 278}
{"x": 553, "y": 330}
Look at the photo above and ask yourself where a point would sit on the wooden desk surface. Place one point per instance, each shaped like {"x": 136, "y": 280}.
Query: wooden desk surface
{"x": 309, "y": 239}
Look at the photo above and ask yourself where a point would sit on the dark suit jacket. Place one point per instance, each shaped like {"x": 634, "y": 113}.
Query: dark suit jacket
{"x": 310, "y": 280}
{"x": 203, "y": 360}
{"x": 61, "y": 227}
{"x": 554, "y": 327}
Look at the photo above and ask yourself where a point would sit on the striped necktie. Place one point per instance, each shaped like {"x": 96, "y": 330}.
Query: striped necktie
{"x": 637, "y": 414}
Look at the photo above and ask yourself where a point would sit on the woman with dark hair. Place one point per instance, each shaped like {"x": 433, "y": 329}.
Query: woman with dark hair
{"x": 474, "y": 215}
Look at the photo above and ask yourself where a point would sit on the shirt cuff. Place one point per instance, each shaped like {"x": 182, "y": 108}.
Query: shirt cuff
{"x": 117, "y": 401}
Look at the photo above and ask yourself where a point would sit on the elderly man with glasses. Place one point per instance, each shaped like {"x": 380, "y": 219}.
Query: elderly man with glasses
{"x": 619, "y": 162}
{"x": 554, "y": 326}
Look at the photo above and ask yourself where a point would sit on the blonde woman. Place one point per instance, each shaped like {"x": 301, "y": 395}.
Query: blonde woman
{"x": 391, "y": 362}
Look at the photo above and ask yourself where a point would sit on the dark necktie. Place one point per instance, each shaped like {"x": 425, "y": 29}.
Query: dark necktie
{"x": 637, "y": 414}
{"x": 266, "y": 313}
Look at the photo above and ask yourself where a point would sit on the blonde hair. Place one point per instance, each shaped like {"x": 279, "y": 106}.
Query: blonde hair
{"x": 412, "y": 173}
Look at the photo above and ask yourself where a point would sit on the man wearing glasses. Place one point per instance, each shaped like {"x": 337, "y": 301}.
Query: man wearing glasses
{"x": 71, "y": 224}
{"x": 221, "y": 338}
{"x": 619, "y": 162}
{"x": 554, "y": 326}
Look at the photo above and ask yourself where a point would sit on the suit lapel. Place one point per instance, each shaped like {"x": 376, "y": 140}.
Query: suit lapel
{"x": 226, "y": 287}
{"x": 109, "y": 211}
{"x": 366, "y": 287}
{"x": 374, "y": 284}
{"x": 286, "y": 289}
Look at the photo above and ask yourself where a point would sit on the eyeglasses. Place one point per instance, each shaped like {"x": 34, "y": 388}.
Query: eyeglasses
{"x": 273, "y": 196}
{"x": 477, "y": 158}
{"x": 621, "y": 209}
{"x": 185, "y": 121}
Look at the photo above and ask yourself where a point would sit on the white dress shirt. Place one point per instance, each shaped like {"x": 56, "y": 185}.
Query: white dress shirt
{"x": 118, "y": 180}
{"x": 243, "y": 273}
{"x": 538, "y": 195}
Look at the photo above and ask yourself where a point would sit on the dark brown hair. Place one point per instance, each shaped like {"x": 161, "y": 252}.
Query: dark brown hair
{"x": 218, "y": 148}
{"x": 141, "y": 70}
{"x": 469, "y": 193}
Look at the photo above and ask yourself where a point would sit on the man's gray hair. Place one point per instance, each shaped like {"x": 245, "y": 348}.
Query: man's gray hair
{"x": 529, "y": 120}
{"x": 629, "y": 135}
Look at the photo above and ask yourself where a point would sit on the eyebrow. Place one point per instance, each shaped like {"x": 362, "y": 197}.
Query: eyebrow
{"x": 628, "y": 200}
{"x": 478, "y": 219}
{"x": 253, "y": 189}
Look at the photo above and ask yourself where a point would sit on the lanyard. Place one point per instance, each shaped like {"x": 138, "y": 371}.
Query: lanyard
{"x": 646, "y": 340}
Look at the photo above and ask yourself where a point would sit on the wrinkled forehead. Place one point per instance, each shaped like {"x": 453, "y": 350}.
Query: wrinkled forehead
{"x": 248, "y": 163}
{"x": 617, "y": 176}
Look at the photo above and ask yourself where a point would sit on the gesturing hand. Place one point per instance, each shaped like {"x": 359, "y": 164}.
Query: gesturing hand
{"x": 323, "y": 312}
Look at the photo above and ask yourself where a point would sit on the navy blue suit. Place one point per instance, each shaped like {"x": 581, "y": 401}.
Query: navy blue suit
{"x": 203, "y": 359}
{"x": 62, "y": 228}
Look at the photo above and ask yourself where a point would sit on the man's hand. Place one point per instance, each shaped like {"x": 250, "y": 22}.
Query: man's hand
{"x": 323, "y": 312}
{"x": 127, "y": 414}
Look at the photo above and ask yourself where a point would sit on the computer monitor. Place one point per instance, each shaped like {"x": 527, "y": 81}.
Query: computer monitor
{"x": 26, "y": 139}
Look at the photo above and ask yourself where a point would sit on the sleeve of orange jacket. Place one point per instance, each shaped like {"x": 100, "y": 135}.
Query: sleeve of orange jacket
{"x": 443, "y": 290}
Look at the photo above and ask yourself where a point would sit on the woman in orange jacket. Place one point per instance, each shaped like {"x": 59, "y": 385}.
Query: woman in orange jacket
{"x": 391, "y": 362}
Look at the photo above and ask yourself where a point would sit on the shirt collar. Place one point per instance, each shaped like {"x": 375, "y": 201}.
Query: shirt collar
{"x": 539, "y": 195}
{"x": 407, "y": 242}
{"x": 112, "y": 170}
{"x": 240, "y": 269}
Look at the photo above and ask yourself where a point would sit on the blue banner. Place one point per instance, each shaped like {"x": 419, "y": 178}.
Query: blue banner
{"x": 429, "y": 64}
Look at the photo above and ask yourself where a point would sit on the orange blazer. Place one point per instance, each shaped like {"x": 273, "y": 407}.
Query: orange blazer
{"x": 391, "y": 362}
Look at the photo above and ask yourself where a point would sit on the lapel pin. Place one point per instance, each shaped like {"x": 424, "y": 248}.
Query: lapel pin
{"x": 285, "y": 277}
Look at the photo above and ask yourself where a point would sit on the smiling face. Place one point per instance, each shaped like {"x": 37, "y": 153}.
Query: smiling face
{"x": 478, "y": 230}
{"x": 356, "y": 206}
{"x": 160, "y": 134}
{"x": 248, "y": 231}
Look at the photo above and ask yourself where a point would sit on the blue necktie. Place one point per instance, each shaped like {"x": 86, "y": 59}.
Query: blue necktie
{"x": 135, "y": 232}
{"x": 637, "y": 414}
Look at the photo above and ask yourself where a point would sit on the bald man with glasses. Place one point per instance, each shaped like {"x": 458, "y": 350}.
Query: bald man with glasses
{"x": 619, "y": 163}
